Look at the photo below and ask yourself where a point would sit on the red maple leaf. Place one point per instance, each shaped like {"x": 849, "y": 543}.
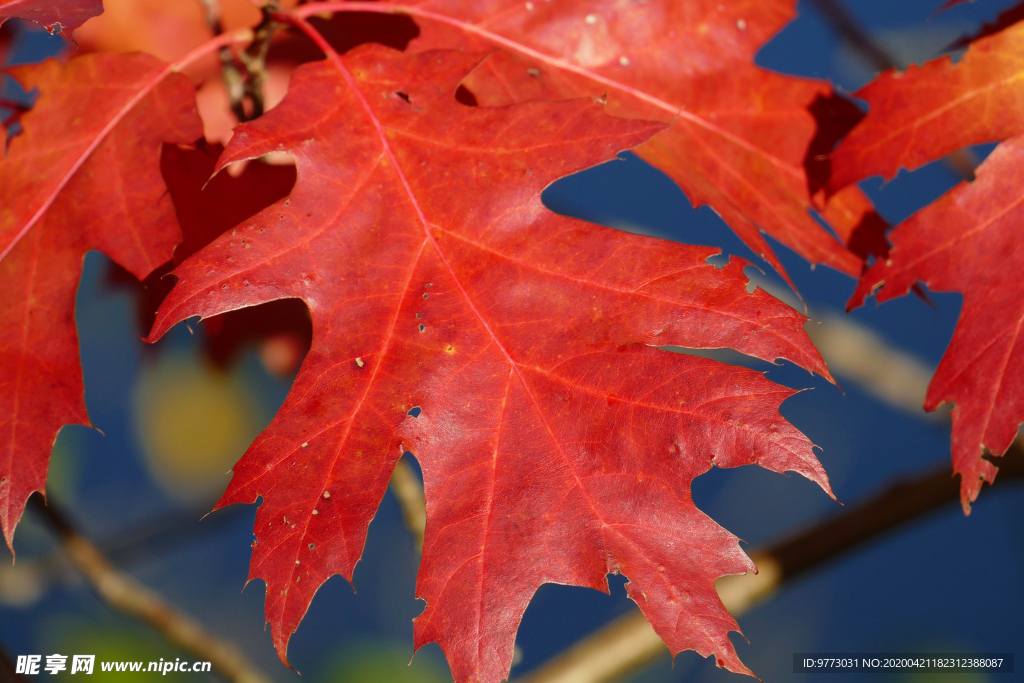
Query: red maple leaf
{"x": 84, "y": 175}
{"x": 930, "y": 111}
{"x": 969, "y": 241}
{"x": 511, "y": 349}
{"x": 964, "y": 242}
{"x": 57, "y": 16}
{"x": 737, "y": 135}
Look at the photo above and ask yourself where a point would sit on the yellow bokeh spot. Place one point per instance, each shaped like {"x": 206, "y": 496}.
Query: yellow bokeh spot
{"x": 194, "y": 423}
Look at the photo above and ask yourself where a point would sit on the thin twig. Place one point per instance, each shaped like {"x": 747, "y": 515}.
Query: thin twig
{"x": 629, "y": 644}
{"x": 211, "y": 8}
{"x": 850, "y": 30}
{"x": 124, "y": 594}
{"x": 140, "y": 541}
{"x": 254, "y": 58}
{"x": 245, "y": 72}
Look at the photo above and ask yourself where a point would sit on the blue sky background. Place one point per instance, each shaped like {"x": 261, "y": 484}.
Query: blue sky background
{"x": 943, "y": 584}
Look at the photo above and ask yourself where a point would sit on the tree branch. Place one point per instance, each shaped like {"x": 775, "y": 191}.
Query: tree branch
{"x": 124, "y": 594}
{"x": 629, "y": 643}
{"x": 855, "y": 352}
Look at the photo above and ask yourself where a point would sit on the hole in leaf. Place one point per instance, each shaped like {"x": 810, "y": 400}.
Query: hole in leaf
{"x": 415, "y": 412}
{"x": 404, "y": 96}
{"x": 719, "y": 260}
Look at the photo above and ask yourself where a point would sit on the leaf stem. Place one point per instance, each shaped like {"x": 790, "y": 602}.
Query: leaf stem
{"x": 124, "y": 594}
{"x": 211, "y": 8}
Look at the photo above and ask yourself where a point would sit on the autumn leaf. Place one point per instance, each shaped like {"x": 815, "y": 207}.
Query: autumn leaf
{"x": 858, "y": 224}
{"x": 84, "y": 174}
{"x": 965, "y": 241}
{"x": 206, "y": 208}
{"x": 509, "y": 348}
{"x": 969, "y": 241}
{"x": 57, "y": 16}
{"x": 737, "y": 134}
{"x": 849, "y": 211}
{"x": 930, "y": 111}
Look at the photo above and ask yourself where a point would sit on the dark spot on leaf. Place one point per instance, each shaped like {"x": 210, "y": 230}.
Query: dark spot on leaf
{"x": 356, "y": 28}
{"x": 464, "y": 96}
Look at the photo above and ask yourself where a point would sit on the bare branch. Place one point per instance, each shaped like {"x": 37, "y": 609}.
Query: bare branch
{"x": 245, "y": 73}
{"x": 129, "y": 597}
{"x": 629, "y": 643}
{"x": 893, "y": 376}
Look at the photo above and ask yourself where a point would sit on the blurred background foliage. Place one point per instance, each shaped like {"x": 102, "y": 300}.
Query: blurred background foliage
{"x": 141, "y": 487}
